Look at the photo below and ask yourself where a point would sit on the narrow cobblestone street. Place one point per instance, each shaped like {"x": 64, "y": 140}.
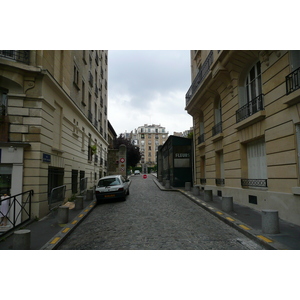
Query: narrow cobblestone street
{"x": 151, "y": 219}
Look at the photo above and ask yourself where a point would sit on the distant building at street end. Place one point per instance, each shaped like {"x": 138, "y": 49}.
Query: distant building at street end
{"x": 246, "y": 118}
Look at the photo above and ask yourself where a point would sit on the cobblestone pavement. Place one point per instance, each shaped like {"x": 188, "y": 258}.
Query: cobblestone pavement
{"x": 151, "y": 219}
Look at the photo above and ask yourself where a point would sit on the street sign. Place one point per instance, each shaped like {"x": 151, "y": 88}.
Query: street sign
{"x": 144, "y": 176}
{"x": 122, "y": 160}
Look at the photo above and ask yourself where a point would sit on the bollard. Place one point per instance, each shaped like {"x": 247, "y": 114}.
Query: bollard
{"x": 159, "y": 178}
{"x": 79, "y": 202}
{"x": 270, "y": 221}
{"x": 63, "y": 215}
{"x": 90, "y": 194}
{"x": 167, "y": 185}
{"x": 21, "y": 239}
{"x": 196, "y": 191}
{"x": 208, "y": 195}
{"x": 227, "y": 204}
{"x": 164, "y": 182}
{"x": 187, "y": 186}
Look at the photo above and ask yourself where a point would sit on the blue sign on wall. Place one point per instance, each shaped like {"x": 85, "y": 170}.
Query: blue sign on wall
{"x": 46, "y": 158}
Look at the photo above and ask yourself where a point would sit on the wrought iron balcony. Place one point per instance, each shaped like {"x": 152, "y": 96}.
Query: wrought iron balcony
{"x": 217, "y": 129}
{"x": 203, "y": 180}
{"x": 254, "y": 182}
{"x": 220, "y": 181}
{"x": 201, "y": 138}
{"x": 17, "y": 55}
{"x": 90, "y": 116}
{"x": 203, "y": 71}
{"x": 250, "y": 108}
{"x": 292, "y": 81}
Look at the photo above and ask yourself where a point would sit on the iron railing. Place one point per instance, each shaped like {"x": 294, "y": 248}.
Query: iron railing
{"x": 220, "y": 181}
{"x": 203, "y": 180}
{"x": 57, "y": 196}
{"x": 292, "y": 81}
{"x": 217, "y": 128}
{"x": 83, "y": 185}
{"x": 203, "y": 71}
{"x": 18, "y": 212}
{"x": 17, "y": 55}
{"x": 201, "y": 138}
{"x": 254, "y": 182}
{"x": 250, "y": 108}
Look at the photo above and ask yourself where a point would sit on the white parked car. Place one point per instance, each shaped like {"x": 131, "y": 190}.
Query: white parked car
{"x": 137, "y": 172}
{"x": 112, "y": 187}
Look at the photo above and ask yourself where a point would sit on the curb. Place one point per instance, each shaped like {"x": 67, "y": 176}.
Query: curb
{"x": 263, "y": 240}
{"x": 58, "y": 238}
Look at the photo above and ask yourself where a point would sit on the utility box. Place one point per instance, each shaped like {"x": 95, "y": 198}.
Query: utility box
{"x": 174, "y": 161}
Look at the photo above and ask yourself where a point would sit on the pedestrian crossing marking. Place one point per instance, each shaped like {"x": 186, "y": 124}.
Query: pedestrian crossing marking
{"x": 66, "y": 230}
{"x": 245, "y": 227}
{"x": 54, "y": 241}
{"x": 230, "y": 219}
{"x": 264, "y": 238}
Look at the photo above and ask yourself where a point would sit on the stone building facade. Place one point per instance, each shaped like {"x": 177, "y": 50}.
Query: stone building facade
{"x": 148, "y": 138}
{"x": 246, "y": 116}
{"x": 54, "y": 104}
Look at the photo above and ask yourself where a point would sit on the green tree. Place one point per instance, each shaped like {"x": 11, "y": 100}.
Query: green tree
{"x": 133, "y": 152}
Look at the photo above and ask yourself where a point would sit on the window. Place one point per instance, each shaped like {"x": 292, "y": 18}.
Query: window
{"x": 257, "y": 165}
{"x": 3, "y": 102}
{"x": 55, "y": 178}
{"x": 251, "y": 97}
{"x": 74, "y": 181}
{"x": 5, "y": 179}
{"x": 218, "y": 118}
{"x": 76, "y": 75}
{"x": 83, "y": 93}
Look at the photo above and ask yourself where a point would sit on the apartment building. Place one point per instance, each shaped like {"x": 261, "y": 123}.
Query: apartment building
{"x": 148, "y": 138}
{"x": 246, "y": 115}
{"x": 54, "y": 127}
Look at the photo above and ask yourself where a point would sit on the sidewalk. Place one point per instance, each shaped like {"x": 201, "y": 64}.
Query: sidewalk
{"x": 47, "y": 234}
{"x": 247, "y": 221}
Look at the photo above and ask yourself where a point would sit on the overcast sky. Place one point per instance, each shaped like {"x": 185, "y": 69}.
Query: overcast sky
{"x": 148, "y": 87}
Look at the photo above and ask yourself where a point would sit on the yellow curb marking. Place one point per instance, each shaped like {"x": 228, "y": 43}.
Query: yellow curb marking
{"x": 210, "y": 207}
{"x": 65, "y": 230}
{"x": 86, "y": 210}
{"x": 244, "y": 227}
{"x": 74, "y": 222}
{"x": 91, "y": 205}
{"x": 220, "y": 213}
{"x": 230, "y": 219}
{"x": 80, "y": 216}
{"x": 55, "y": 240}
{"x": 264, "y": 238}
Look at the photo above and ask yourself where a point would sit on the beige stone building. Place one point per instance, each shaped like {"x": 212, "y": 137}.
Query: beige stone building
{"x": 54, "y": 119}
{"x": 148, "y": 138}
{"x": 246, "y": 115}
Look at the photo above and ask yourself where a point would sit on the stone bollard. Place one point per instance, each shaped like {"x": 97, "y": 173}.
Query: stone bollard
{"x": 21, "y": 239}
{"x": 227, "y": 204}
{"x": 196, "y": 191}
{"x": 79, "y": 202}
{"x": 63, "y": 215}
{"x": 167, "y": 185}
{"x": 164, "y": 182}
{"x": 90, "y": 194}
{"x": 187, "y": 186}
{"x": 208, "y": 195}
{"x": 270, "y": 221}
{"x": 159, "y": 178}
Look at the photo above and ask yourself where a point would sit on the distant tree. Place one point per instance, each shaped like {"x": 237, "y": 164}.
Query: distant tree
{"x": 133, "y": 152}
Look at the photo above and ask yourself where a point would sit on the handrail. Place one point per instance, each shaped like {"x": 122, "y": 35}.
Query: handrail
{"x": 19, "y": 210}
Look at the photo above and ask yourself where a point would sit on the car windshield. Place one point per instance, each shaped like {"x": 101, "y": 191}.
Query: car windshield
{"x": 108, "y": 182}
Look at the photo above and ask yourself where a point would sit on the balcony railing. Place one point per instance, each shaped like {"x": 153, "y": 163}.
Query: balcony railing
{"x": 292, "y": 81}
{"x": 250, "y": 108}
{"x": 220, "y": 181}
{"x": 203, "y": 71}
{"x": 217, "y": 129}
{"x": 17, "y": 55}
{"x": 90, "y": 116}
{"x": 201, "y": 138}
{"x": 254, "y": 182}
{"x": 203, "y": 180}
